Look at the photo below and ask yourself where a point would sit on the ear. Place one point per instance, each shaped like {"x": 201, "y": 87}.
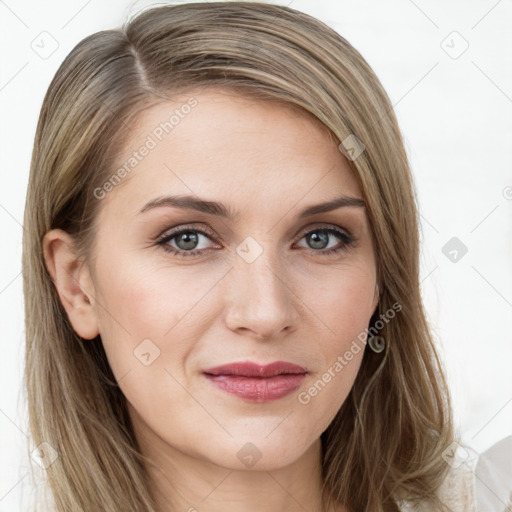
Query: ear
{"x": 73, "y": 282}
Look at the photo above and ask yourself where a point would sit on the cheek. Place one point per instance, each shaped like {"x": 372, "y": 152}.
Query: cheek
{"x": 146, "y": 299}
{"x": 130, "y": 313}
{"x": 326, "y": 392}
{"x": 148, "y": 310}
{"x": 344, "y": 307}
{"x": 344, "y": 304}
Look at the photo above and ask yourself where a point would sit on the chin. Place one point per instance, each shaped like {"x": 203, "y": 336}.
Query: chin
{"x": 258, "y": 453}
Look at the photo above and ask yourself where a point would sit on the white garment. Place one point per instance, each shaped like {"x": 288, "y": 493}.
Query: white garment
{"x": 475, "y": 483}
{"x": 494, "y": 478}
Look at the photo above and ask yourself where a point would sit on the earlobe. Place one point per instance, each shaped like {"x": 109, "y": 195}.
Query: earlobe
{"x": 72, "y": 281}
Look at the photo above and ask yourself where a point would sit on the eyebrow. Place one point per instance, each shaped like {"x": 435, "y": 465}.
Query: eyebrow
{"x": 221, "y": 210}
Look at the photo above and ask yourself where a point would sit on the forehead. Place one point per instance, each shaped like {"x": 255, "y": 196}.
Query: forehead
{"x": 229, "y": 147}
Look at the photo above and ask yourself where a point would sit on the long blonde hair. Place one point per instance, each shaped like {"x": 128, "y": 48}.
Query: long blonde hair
{"x": 386, "y": 442}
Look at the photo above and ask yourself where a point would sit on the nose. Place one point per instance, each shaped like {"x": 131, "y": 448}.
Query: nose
{"x": 260, "y": 300}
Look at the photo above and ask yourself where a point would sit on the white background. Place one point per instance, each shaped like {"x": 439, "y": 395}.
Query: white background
{"x": 456, "y": 117}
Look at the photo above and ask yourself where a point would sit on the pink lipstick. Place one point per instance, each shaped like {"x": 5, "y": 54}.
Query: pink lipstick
{"x": 257, "y": 383}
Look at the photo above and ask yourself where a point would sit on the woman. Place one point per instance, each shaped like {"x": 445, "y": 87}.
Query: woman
{"x": 221, "y": 276}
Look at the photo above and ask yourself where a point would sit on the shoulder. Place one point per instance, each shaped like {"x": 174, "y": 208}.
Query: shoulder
{"x": 494, "y": 477}
{"x": 457, "y": 491}
{"x": 474, "y": 482}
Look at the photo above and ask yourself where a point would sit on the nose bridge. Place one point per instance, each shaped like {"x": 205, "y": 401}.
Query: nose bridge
{"x": 260, "y": 298}
{"x": 262, "y": 276}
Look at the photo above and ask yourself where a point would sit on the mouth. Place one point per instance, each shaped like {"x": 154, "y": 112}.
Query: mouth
{"x": 250, "y": 369}
{"x": 257, "y": 383}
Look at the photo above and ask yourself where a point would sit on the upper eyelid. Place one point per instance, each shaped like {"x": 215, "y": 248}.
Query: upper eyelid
{"x": 170, "y": 232}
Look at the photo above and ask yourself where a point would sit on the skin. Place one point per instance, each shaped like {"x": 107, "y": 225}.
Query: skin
{"x": 292, "y": 303}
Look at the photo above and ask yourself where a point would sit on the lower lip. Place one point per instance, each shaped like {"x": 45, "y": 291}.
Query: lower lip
{"x": 258, "y": 389}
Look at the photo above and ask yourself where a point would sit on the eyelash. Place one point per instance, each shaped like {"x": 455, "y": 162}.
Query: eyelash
{"x": 348, "y": 241}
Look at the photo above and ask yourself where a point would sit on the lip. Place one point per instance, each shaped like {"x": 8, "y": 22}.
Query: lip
{"x": 250, "y": 369}
{"x": 257, "y": 383}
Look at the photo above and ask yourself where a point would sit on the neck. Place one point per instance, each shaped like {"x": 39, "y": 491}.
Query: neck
{"x": 181, "y": 482}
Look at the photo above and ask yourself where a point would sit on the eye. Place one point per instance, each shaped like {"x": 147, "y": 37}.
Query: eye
{"x": 185, "y": 241}
{"x": 318, "y": 240}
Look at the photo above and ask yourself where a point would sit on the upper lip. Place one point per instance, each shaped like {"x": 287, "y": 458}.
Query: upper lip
{"x": 250, "y": 369}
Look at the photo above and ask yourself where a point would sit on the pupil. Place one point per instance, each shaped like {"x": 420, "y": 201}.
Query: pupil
{"x": 319, "y": 239}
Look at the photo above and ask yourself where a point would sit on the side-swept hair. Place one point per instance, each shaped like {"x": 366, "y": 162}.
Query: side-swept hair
{"x": 385, "y": 443}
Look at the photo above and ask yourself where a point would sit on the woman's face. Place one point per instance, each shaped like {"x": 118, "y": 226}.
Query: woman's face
{"x": 259, "y": 284}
